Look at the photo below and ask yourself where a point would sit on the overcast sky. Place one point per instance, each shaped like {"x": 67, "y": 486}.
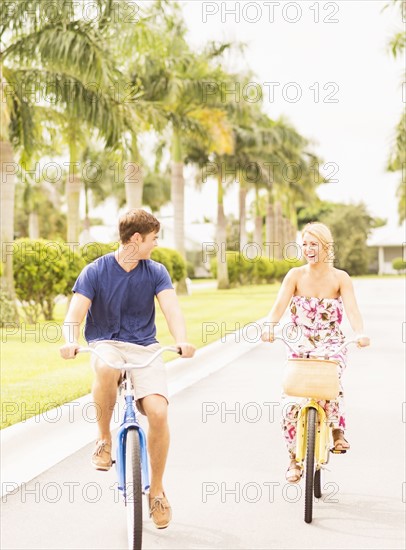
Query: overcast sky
{"x": 345, "y": 60}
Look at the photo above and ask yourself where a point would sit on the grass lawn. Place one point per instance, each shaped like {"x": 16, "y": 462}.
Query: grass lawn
{"x": 34, "y": 378}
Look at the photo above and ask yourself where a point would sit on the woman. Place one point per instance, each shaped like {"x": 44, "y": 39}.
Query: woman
{"x": 316, "y": 293}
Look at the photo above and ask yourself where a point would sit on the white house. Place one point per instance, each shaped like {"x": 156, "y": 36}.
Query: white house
{"x": 99, "y": 234}
{"x": 199, "y": 242}
{"x": 197, "y": 235}
{"x": 390, "y": 240}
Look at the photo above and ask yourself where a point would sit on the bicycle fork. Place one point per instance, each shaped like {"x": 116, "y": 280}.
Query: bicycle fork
{"x": 130, "y": 422}
{"x": 322, "y": 435}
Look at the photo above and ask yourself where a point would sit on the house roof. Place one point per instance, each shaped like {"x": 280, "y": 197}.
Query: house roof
{"x": 388, "y": 235}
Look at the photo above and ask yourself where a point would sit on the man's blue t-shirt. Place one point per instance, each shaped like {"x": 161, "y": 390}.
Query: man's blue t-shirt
{"x": 123, "y": 305}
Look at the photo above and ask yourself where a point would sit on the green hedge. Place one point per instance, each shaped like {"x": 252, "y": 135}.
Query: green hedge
{"x": 178, "y": 265}
{"x": 399, "y": 264}
{"x": 8, "y": 309}
{"x": 43, "y": 270}
{"x": 243, "y": 271}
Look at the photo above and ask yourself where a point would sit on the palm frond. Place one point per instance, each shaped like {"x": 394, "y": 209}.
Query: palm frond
{"x": 397, "y": 43}
{"x": 21, "y": 128}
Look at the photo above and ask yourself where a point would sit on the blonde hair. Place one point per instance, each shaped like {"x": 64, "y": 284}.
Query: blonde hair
{"x": 323, "y": 234}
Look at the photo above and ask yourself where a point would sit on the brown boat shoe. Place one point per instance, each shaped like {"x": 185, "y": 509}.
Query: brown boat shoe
{"x": 101, "y": 459}
{"x": 160, "y": 511}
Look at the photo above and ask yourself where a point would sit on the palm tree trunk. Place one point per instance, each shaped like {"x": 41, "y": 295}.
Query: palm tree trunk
{"x": 258, "y": 233}
{"x": 178, "y": 193}
{"x": 73, "y": 187}
{"x": 242, "y": 209}
{"x": 33, "y": 225}
{"x": 85, "y": 237}
{"x": 278, "y": 230}
{"x": 221, "y": 238}
{"x": 292, "y": 220}
{"x": 287, "y": 233}
{"x": 258, "y": 223}
{"x": 7, "y": 196}
{"x": 134, "y": 178}
{"x": 134, "y": 185}
{"x": 293, "y": 231}
{"x": 270, "y": 227}
{"x": 178, "y": 200}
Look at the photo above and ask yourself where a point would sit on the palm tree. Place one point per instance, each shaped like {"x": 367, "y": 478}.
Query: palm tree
{"x": 175, "y": 80}
{"x": 397, "y": 162}
{"x": 7, "y": 192}
{"x": 141, "y": 52}
{"x": 59, "y": 57}
{"x": 212, "y": 150}
{"x": 255, "y": 139}
{"x": 277, "y": 149}
{"x": 397, "y": 157}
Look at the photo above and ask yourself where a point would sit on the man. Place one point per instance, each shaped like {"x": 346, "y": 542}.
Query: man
{"x": 117, "y": 293}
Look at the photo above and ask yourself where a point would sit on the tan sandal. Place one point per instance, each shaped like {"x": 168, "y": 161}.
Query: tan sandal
{"x": 341, "y": 445}
{"x": 293, "y": 473}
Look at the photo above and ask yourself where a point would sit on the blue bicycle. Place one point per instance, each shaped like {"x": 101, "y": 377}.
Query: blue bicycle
{"x": 131, "y": 450}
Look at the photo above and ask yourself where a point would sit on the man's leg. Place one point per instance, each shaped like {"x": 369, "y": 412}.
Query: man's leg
{"x": 104, "y": 392}
{"x": 156, "y": 408}
{"x": 104, "y": 395}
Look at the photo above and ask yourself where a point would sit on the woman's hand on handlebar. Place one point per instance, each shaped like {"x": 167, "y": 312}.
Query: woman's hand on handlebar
{"x": 267, "y": 335}
{"x": 362, "y": 340}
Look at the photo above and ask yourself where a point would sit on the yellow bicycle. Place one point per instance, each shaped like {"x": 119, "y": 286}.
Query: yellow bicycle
{"x": 314, "y": 378}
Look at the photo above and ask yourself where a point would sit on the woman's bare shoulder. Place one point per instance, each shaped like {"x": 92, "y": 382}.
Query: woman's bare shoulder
{"x": 295, "y": 273}
{"x": 341, "y": 275}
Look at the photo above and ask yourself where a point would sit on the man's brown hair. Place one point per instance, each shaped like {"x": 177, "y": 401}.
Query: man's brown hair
{"x": 137, "y": 221}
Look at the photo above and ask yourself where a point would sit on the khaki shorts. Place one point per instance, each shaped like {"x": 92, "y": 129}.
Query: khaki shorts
{"x": 147, "y": 381}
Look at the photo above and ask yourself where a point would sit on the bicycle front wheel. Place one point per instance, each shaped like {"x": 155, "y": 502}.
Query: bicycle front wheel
{"x": 133, "y": 487}
{"x": 311, "y": 441}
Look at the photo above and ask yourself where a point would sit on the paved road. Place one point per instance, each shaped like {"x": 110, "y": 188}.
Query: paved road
{"x": 226, "y": 470}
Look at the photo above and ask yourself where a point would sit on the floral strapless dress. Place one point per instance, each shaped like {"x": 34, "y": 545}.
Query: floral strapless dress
{"x": 315, "y": 330}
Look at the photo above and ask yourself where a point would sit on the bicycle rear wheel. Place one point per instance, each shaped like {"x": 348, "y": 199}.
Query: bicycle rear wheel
{"x": 311, "y": 440}
{"x": 317, "y": 484}
{"x": 133, "y": 488}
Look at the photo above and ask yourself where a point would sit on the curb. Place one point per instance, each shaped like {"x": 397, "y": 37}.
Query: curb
{"x": 33, "y": 446}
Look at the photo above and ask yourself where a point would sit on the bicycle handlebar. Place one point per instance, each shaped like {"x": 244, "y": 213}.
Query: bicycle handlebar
{"x": 130, "y": 366}
{"x": 325, "y": 355}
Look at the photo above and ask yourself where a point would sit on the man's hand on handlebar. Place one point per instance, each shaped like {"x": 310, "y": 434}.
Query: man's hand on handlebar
{"x": 69, "y": 351}
{"x": 187, "y": 350}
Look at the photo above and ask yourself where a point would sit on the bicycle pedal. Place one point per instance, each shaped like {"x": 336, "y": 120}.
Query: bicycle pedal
{"x": 337, "y": 452}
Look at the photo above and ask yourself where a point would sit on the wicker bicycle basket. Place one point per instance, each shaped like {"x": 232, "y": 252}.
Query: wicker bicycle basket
{"x": 317, "y": 378}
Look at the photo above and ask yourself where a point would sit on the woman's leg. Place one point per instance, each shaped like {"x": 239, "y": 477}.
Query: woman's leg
{"x": 290, "y": 412}
{"x": 335, "y": 412}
